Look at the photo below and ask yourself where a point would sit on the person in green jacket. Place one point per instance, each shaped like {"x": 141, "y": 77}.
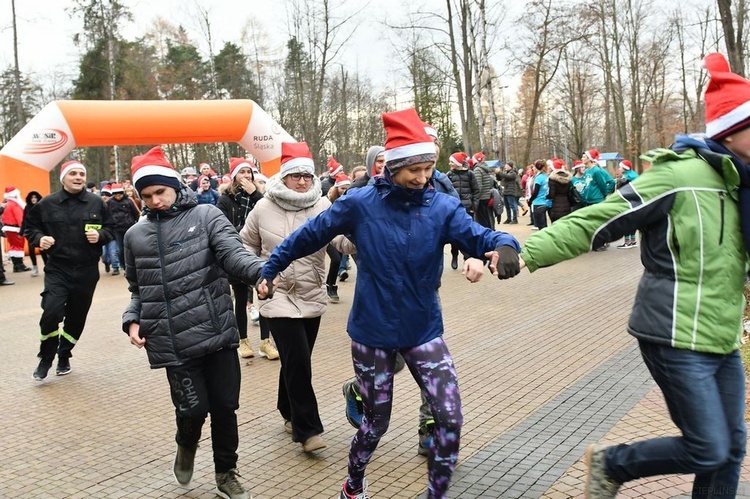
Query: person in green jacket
{"x": 693, "y": 210}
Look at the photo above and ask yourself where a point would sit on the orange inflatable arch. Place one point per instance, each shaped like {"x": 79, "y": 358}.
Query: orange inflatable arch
{"x": 27, "y": 159}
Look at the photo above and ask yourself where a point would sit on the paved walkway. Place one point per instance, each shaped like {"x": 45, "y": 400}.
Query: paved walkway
{"x": 544, "y": 362}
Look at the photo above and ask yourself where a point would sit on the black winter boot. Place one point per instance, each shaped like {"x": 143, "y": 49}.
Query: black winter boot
{"x": 18, "y": 265}
{"x": 333, "y": 293}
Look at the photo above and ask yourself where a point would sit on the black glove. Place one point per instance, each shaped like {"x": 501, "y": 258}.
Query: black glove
{"x": 508, "y": 263}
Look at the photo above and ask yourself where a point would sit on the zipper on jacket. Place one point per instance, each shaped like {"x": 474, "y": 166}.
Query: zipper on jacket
{"x": 721, "y": 203}
{"x": 164, "y": 286}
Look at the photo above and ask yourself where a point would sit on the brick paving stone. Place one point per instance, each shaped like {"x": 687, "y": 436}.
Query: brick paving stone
{"x": 519, "y": 346}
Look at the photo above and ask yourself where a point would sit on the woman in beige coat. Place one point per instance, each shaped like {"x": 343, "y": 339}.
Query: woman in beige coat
{"x": 294, "y": 312}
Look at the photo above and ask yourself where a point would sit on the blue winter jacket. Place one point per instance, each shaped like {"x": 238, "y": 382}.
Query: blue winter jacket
{"x": 400, "y": 234}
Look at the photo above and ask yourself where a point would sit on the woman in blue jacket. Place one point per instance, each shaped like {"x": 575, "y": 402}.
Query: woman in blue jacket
{"x": 400, "y": 226}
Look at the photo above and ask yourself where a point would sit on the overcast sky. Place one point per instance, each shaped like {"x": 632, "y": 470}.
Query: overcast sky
{"x": 46, "y": 29}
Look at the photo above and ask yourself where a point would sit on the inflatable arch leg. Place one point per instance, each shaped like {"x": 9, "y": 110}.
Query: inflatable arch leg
{"x": 61, "y": 126}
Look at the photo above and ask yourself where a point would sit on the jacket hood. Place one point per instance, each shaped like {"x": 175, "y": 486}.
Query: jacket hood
{"x": 373, "y": 153}
{"x": 33, "y": 193}
{"x": 714, "y": 153}
{"x": 185, "y": 200}
{"x": 560, "y": 176}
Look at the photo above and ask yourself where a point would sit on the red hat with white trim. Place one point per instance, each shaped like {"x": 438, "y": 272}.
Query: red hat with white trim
{"x": 592, "y": 154}
{"x": 431, "y": 131}
{"x": 117, "y": 189}
{"x": 71, "y": 165}
{"x": 334, "y": 167}
{"x": 626, "y": 165}
{"x": 153, "y": 168}
{"x": 342, "y": 180}
{"x": 727, "y": 99}
{"x": 296, "y": 158}
{"x": 458, "y": 159}
{"x": 406, "y": 141}
{"x": 237, "y": 164}
{"x": 577, "y": 164}
{"x": 478, "y": 157}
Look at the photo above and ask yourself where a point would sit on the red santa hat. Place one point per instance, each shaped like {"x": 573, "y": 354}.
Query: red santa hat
{"x": 406, "y": 141}
{"x": 106, "y": 190}
{"x": 69, "y": 166}
{"x": 478, "y": 157}
{"x": 12, "y": 193}
{"x": 226, "y": 179}
{"x": 592, "y": 154}
{"x": 237, "y": 164}
{"x": 556, "y": 163}
{"x": 626, "y": 165}
{"x": 342, "y": 180}
{"x": 296, "y": 158}
{"x": 117, "y": 188}
{"x": 153, "y": 168}
{"x": 334, "y": 167}
{"x": 458, "y": 158}
{"x": 727, "y": 98}
{"x": 203, "y": 166}
{"x": 577, "y": 164}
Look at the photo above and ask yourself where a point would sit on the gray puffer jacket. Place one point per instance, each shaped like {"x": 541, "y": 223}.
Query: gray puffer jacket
{"x": 176, "y": 264}
{"x": 486, "y": 180}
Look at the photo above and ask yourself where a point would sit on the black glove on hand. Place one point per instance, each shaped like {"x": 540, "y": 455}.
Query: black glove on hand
{"x": 508, "y": 263}
{"x": 269, "y": 285}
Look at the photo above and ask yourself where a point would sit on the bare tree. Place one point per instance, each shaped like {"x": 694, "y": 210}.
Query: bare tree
{"x": 545, "y": 35}
{"x": 734, "y": 36}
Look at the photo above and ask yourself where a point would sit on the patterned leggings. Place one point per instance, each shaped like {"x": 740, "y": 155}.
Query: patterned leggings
{"x": 431, "y": 365}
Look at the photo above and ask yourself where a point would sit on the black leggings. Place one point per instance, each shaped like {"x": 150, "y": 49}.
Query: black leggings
{"x": 242, "y": 296}
{"x": 333, "y": 270}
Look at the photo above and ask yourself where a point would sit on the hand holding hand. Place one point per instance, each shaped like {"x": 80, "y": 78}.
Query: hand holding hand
{"x": 504, "y": 262}
{"x": 266, "y": 289}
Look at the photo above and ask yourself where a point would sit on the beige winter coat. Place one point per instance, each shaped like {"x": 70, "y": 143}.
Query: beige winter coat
{"x": 301, "y": 290}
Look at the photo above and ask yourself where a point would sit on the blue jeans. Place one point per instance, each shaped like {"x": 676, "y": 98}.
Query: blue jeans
{"x": 110, "y": 255}
{"x": 344, "y": 264}
{"x": 511, "y": 207}
{"x": 705, "y": 395}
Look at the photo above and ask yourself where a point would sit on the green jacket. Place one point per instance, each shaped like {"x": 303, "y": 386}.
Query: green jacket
{"x": 691, "y": 293}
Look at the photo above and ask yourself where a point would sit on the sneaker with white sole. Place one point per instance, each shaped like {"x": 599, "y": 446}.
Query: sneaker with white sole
{"x": 254, "y": 315}
{"x": 598, "y": 484}
{"x": 268, "y": 350}
{"x": 345, "y": 494}
{"x": 228, "y": 487}
{"x": 245, "y": 351}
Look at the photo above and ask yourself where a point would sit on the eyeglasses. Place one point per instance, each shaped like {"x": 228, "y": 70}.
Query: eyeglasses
{"x": 304, "y": 176}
